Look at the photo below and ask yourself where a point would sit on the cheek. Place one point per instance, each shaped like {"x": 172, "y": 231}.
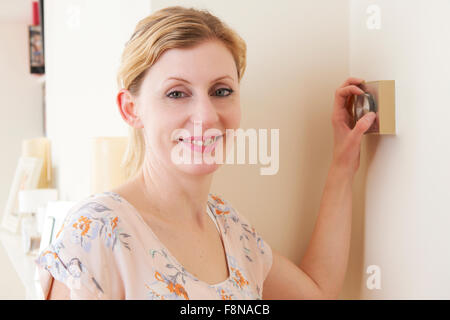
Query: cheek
{"x": 233, "y": 117}
{"x": 154, "y": 131}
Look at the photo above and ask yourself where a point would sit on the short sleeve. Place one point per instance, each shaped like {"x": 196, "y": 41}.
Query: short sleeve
{"x": 81, "y": 255}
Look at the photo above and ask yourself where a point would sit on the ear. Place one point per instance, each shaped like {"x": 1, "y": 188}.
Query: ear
{"x": 128, "y": 108}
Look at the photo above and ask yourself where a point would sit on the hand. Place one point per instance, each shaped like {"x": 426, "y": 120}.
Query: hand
{"x": 347, "y": 141}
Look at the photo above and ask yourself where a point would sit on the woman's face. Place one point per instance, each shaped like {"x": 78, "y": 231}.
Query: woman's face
{"x": 204, "y": 96}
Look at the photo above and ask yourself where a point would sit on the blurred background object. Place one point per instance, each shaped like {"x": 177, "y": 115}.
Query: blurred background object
{"x": 40, "y": 148}
{"x": 106, "y": 170}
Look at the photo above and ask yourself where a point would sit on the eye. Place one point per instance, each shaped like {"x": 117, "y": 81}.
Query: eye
{"x": 221, "y": 92}
{"x": 177, "y": 96}
{"x": 230, "y": 91}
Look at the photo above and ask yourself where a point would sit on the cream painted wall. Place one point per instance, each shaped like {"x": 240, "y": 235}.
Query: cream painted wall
{"x": 401, "y": 192}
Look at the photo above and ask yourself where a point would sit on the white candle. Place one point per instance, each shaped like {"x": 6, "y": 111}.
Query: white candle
{"x": 107, "y": 154}
{"x": 40, "y": 148}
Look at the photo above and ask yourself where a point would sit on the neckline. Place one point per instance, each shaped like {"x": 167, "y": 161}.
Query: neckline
{"x": 171, "y": 256}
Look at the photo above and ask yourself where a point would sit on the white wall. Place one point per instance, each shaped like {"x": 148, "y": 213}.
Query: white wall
{"x": 22, "y": 114}
{"x": 402, "y": 191}
{"x": 17, "y": 11}
{"x": 83, "y": 44}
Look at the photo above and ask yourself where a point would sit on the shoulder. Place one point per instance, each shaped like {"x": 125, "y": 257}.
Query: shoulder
{"x": 223, "y": 208}
{"x": 96, "y": 206}
{"x": 98, "y": 216}
{"x": 84, "y": 253}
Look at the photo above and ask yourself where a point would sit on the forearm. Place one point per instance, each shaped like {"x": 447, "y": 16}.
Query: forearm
{"x": 326, "y": 257}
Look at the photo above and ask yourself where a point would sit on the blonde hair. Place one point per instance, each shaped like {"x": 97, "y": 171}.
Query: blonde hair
{"x": 171, "y": 27}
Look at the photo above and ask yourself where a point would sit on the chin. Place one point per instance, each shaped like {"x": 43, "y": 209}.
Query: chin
{"x": 198, "y": 169}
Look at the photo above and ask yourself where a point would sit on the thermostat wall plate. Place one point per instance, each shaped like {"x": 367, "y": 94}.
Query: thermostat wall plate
{"x": 378, "y": 97}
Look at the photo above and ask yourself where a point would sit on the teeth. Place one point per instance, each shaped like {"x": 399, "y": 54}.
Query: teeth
{"x": 207, "y": 142}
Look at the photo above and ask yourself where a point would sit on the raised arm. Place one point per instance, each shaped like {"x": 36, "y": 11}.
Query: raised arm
{"x": 321, "y": 272}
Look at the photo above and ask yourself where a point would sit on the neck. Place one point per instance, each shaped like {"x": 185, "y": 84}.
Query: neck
{"x": 175, "y": 197}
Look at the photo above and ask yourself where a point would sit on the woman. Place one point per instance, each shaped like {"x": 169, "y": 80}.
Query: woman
{"x": 151, "y": 237}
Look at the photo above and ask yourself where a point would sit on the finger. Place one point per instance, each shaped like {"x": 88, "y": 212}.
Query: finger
{"x": 342, "y": 94}
{"x": 362, "y": 125}
{"x": 352, "y": 81}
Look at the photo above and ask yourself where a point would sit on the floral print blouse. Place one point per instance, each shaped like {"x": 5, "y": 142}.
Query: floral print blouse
{"x": 105, "y": 250}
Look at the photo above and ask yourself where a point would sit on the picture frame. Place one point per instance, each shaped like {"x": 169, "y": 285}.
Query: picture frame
{"x": 26, "y": 177}
{"x": 41, "y": 23}
{"x": 36, "y": 39}
{"x": 37, "y": 61}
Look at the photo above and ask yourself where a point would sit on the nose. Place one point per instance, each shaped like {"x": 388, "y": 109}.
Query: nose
{"x": 205, "y": 112}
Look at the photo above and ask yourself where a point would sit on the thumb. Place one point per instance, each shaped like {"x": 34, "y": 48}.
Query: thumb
{"x": 363, "y": 124}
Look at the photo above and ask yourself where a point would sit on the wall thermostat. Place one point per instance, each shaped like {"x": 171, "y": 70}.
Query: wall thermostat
{"x": 378, "y": 97}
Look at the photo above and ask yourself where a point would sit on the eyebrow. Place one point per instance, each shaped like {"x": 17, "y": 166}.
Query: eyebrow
{"x": 184, "y": 80}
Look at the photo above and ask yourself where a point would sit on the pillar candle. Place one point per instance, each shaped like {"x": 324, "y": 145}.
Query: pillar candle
{"x": 40, "y": 148}
{"x": 107, "y": 154}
